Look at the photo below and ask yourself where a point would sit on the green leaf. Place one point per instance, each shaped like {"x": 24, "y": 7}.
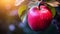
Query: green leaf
{"x": 52, "y": 10}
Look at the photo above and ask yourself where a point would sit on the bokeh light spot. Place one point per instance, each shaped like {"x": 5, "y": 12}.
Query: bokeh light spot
{"x": 7, "y": 6}
{"x": 11, "y": 27}
{"x": 13, "y": 12}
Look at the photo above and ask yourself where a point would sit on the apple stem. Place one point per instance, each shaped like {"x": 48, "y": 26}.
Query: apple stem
{"x": 42, "y": 2}
{"x": 39, "y": 6}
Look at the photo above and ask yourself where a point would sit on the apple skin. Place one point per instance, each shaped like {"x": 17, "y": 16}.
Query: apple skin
{"x": 39, "y": 20}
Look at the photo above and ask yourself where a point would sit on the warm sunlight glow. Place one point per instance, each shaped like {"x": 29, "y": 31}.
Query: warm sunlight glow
{"x": 6, "y": 4}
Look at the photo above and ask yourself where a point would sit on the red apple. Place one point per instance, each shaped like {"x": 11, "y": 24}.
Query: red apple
{"x": 39, "y": 20}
